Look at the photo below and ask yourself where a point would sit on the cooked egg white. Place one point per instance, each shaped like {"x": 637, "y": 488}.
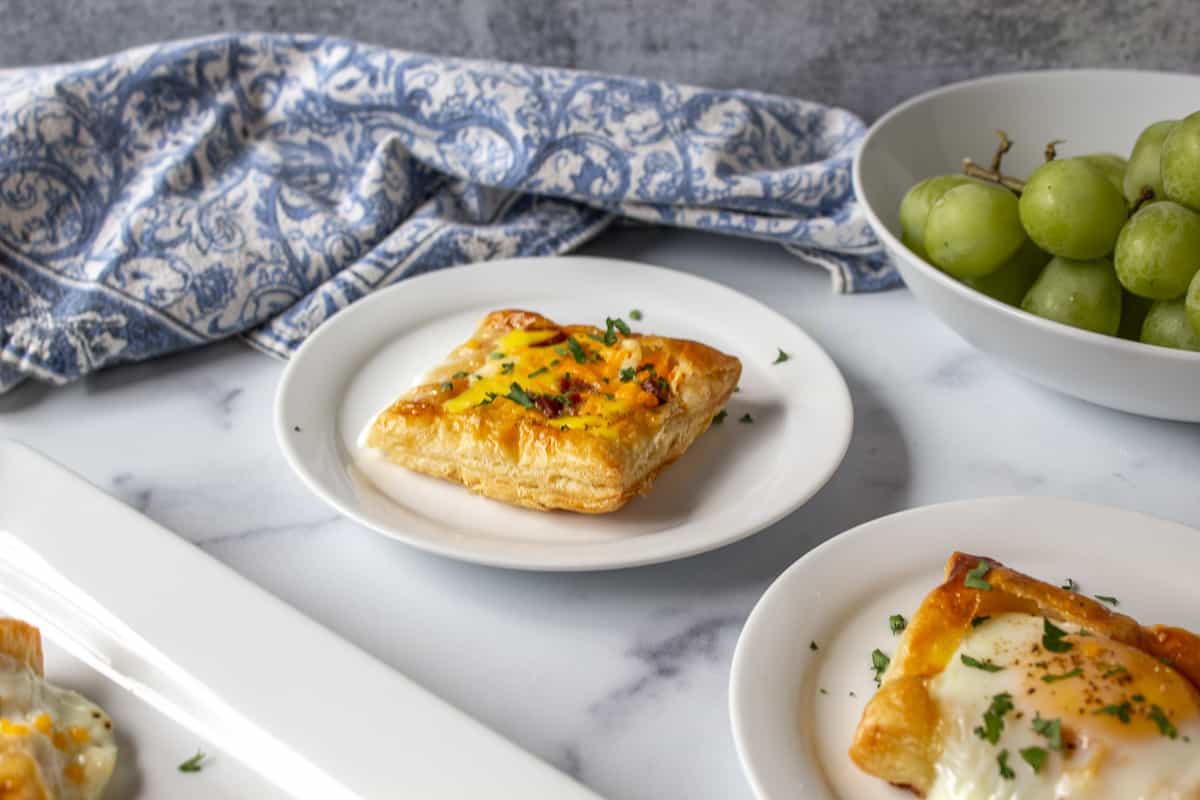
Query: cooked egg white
{"x": 58, "y": 733}
{"x": 1130, "y": 725}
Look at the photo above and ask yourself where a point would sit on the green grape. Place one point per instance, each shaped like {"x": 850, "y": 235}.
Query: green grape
{"x": 914, "y": 209}
{"x": 1111, "y": 165}
{"x": 1192, "y": 303}
{"x": 1010, "y": 283}
{"x": 1167, "y": 326}
{"x": 1133, "y": 314}
{"x": 973, "y": 229}
{"x": 1158, "y": 251}
{"x": 1143, "y": 169}
{"x": 1084, "y": 294}
{"x": 1181, "y": 162}
{"x": 1070, "y": 209}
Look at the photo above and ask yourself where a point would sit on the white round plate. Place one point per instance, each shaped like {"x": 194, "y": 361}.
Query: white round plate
{"x": 932, "y": 133}
{"x": 735, "y": 480}
{"x": 793, "y": 739}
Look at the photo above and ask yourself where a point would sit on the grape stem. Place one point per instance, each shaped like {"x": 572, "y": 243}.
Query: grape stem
{"x": 1051, "y": 151}
{"x": 994, "y": 175}
{"x": 1016, "y": 185}
{"x": 1001, "y": 149}
{"x": 1145, "y": 196}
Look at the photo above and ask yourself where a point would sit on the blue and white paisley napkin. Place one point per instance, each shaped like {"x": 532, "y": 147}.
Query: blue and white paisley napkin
{"x": 173, "y": 195}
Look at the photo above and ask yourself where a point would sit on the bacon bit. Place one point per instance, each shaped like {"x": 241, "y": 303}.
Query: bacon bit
{"x": 557, "y": 338}
{"x": 550, "y": 406}
{"x": 659, "y": 388}
{"x": 574, "y": 386}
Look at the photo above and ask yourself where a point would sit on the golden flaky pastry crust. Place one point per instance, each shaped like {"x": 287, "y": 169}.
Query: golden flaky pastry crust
{"x": 21, "y": 642}
{"x": 897, "y": 737}
{"x": 552, "y": 416}
{"x": 20, "y": 775}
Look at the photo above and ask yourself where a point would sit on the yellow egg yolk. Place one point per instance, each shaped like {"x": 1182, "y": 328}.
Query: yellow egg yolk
{"x": 1103, "y": 686}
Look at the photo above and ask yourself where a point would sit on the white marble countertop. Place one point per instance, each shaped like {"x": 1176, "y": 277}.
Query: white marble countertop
{"x": 619, "y": 678}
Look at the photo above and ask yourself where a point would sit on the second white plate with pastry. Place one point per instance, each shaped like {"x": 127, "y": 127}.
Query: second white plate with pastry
{"x": 803, "y": 668}
{"x": 736, "y": 479}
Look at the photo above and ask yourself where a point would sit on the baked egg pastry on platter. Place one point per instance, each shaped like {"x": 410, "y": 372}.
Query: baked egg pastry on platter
{"x": 563, "y": 413}
{"x": 55, "y": 744}
{"x": 993, "y": 648}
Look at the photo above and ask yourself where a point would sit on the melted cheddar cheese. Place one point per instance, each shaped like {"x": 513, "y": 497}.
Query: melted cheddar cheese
{"x": 575, "y": 377}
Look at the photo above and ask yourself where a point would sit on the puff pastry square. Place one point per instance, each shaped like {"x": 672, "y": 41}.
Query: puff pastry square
{"x": 550, "y": 416}
{"x": 1120, "y": 696}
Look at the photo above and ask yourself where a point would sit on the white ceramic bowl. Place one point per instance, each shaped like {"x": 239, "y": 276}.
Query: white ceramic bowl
{"x": 1096, "y": 111}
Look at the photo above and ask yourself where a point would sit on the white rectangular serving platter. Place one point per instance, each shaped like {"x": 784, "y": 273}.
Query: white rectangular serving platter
{"x": 185, "y": 654}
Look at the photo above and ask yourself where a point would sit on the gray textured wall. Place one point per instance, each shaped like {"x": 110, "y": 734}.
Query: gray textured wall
{"x": 860, "y": 54}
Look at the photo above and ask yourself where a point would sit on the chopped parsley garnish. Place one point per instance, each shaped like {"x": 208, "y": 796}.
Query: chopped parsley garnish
{"x": 1075, "y": 673}
{"x": 1070, "y": 585}
{"x": 577, "y": 351}
{"x": 977, "y": 621}
{"x": 488, "y": 399}
{"x": 635, "y": 315}
{"x": 458, "y": 375}
{"x": 813, "y": 646}
{"x": 975, "y": 578}
{"x": 560, "y": 349}
{"x": 1051, "y": 729}
{"x": 195, "y": 763}
{"x": 646, "y": 367}
{"x": 746, "y": 418}
{"x": 609, "y": 396}
{"x": 447, "y": 386}
{"x": 1138, "y": 698}
{"x": 507, "y": 367}
{"x": 720, "y": 417}
{"x": 986, "y": 666}
{"x": 518, "y": 396}
{"x": 1035, "y": 757}
{"x": 993, "y": 718}
{"x": 879, "y": 663}
{"x": 1121, "y": 711}
{"x": 897, "y": 623}
{"x": 1005, "y": 770}
{"x": 554, "y": 363}
{"x": 822, "y": 691}
{"x": 1052, "y": 637}
{"x": 782, "y": 357}
{"x": 496, "y": 355}
{"x": 611, "y": 327}
{"x": 627, "y": 374}
{"x": 1117, "y": 670}
{"x": 1105, "y": 598}
{"x": 737, "y": 389}
{"x": 537, "y": 372}
{"x": 1164, "y": 725}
